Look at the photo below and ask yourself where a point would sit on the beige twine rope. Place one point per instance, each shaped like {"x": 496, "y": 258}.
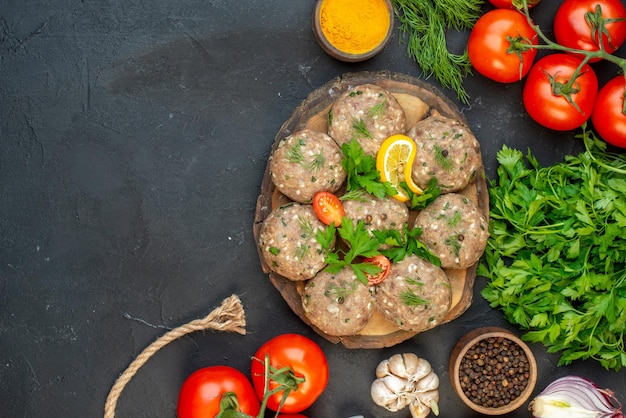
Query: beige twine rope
{"x": 228, "y": 317}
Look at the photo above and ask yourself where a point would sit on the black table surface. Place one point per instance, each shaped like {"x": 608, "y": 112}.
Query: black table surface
{"x": 134, "y": 137}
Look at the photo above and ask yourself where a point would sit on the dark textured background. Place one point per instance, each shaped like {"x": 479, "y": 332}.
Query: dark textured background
{"x": 134, "y": 137}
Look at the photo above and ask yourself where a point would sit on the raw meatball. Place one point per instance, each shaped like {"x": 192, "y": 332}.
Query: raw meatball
{"x": 377, "y": 213}
{"x": 288, "y": 244}
{"x": 367, "y": 113}
{"x": 447, "y": 150}
{"x": 338, "y": 304}
{"x": 415, "y": 296}
{"x": 454, "y": 229}
{"x": 305, "y": 163}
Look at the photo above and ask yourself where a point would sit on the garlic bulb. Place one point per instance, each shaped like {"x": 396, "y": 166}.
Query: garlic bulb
{"x": 406, "y": 380}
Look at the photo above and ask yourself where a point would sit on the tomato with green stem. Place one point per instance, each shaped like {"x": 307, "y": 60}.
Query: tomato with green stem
{"x": 609, "y": 112}
{"x": 560, "y": 92}
{"x": 588, "y": 25}
{"x": 294, "y": 375}
{"x": 498, "y": 45}
{"x": 328, "y": 208}
{"x": 211, "y": 390}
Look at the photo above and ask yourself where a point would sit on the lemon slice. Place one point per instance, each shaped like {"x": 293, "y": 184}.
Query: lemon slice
{"x": 394, "y": 161}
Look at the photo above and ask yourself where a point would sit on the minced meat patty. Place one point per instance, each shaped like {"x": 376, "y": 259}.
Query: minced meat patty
{"x": 368, "y": 114}
{"x": 305, "y": 163}
{"x": 415, "y": 296}
{"x": 454, "y": 229}
{"x": 376, "y": 213}
{"x": 338, "y": 304}
{"x": 288, "y": 244}
{"x": 447, "y": 150}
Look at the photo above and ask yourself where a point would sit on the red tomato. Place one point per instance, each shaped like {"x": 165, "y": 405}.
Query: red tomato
{"x": 328, "y": 208}
{"x": 553, "y": 110}
{"x": 608, "y": 115}
{"x": 305, "y": 358}
{"x": 203, "y": 390}
{"x": 513, "y": 4}
{"x": 488, "y": 45}
{"x": 572, "y": 30}
{"x": 382, "y": 262}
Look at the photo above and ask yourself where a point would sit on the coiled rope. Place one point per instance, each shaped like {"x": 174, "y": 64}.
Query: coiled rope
{"x": 228, "y": 317}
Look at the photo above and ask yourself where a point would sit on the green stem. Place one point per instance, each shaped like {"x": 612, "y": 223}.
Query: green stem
{"x": 601, "y": 53}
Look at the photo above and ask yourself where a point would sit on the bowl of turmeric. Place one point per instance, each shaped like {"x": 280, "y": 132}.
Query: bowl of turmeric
{"x": 353, "y": 30}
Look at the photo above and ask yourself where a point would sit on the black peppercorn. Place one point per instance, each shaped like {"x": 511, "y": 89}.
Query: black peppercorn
{"x": 494, "y": 372}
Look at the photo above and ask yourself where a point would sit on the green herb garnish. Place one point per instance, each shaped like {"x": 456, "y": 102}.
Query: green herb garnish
{"x": 409, "y": 298}
{"x": 424, "y": 24}
{"x": 362, "y": 173}
{"x": 404, "y": 243}
{"x": 360, "y": 129}
{"x": 420, "y": 201}
{"x": 441, "y": 158}
{"x": 339, "y": 293}
{"x": 360, "y": 243}
{"x": 556, "y": 257}
{"x": 294, "y": 155}
{"x": 377, "y": 110}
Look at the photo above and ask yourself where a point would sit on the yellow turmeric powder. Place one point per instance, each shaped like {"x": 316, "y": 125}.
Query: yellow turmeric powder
{"x": 354, "y": 26}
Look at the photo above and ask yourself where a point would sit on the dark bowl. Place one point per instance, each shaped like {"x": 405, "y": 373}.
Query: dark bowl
{"x": 343, "y": 55}
{"x": 476, "y": 338}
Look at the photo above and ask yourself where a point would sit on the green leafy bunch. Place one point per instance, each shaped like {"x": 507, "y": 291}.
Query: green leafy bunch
{"x": 556, "y": 257}
{"x": 424, "y": 24}
{"x": 361, "y": 244}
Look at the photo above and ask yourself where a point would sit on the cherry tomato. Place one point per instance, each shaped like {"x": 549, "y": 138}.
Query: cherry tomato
{"x": 490, "y": 51}
{"x": 328, "y": 208}
{"x": 552, "y": 110}
{"x": 608, "y": 115}
{"x": 204, "y": 389}
{"x": 305, "y": 358}
{"x": 513, "y": 4}
{"x": 382, "y": 262}
{"x": 571, "y": 27}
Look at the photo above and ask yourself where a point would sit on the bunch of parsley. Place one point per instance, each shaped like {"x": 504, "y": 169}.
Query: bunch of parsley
{"x": 556, "y": 258}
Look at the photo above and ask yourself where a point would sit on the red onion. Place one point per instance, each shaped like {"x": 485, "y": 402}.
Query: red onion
{"x": 575, "y": 397}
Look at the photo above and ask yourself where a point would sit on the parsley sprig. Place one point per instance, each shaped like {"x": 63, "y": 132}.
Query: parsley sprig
{"x": 399, "y": 244}
{"x": 393, "y": 244}
{"x": 360, "y": 245}
{"x": 362, "y": 173}
{"x": 556, "y": 257}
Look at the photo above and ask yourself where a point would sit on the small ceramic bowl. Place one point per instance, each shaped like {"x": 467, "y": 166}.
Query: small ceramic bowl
{"x": 347, "y": 56}
{"x": 490, "y": 364}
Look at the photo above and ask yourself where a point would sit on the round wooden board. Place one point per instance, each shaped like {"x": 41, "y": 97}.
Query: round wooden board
{"x": 417, "y": 98}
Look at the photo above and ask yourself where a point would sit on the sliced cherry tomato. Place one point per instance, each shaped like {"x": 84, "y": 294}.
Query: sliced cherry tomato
{"x": 494, "y": 45}
{"x": 549, "y": 75}
{"x": 608, "y": 116}
{"x": 383, "y": 263}
{"x": 308, "y": 363}
{"x": 328, "y": 208}
{"x": 579, "y": 24}
{"x": 513, "y": 4}
{"x": 204, "y": 390}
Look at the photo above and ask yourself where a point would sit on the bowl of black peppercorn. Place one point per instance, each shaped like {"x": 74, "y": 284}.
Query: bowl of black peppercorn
{"x": 492, "y": 370}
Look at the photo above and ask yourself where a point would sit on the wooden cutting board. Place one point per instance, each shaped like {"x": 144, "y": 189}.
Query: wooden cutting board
{"x": 417, "y": 98}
